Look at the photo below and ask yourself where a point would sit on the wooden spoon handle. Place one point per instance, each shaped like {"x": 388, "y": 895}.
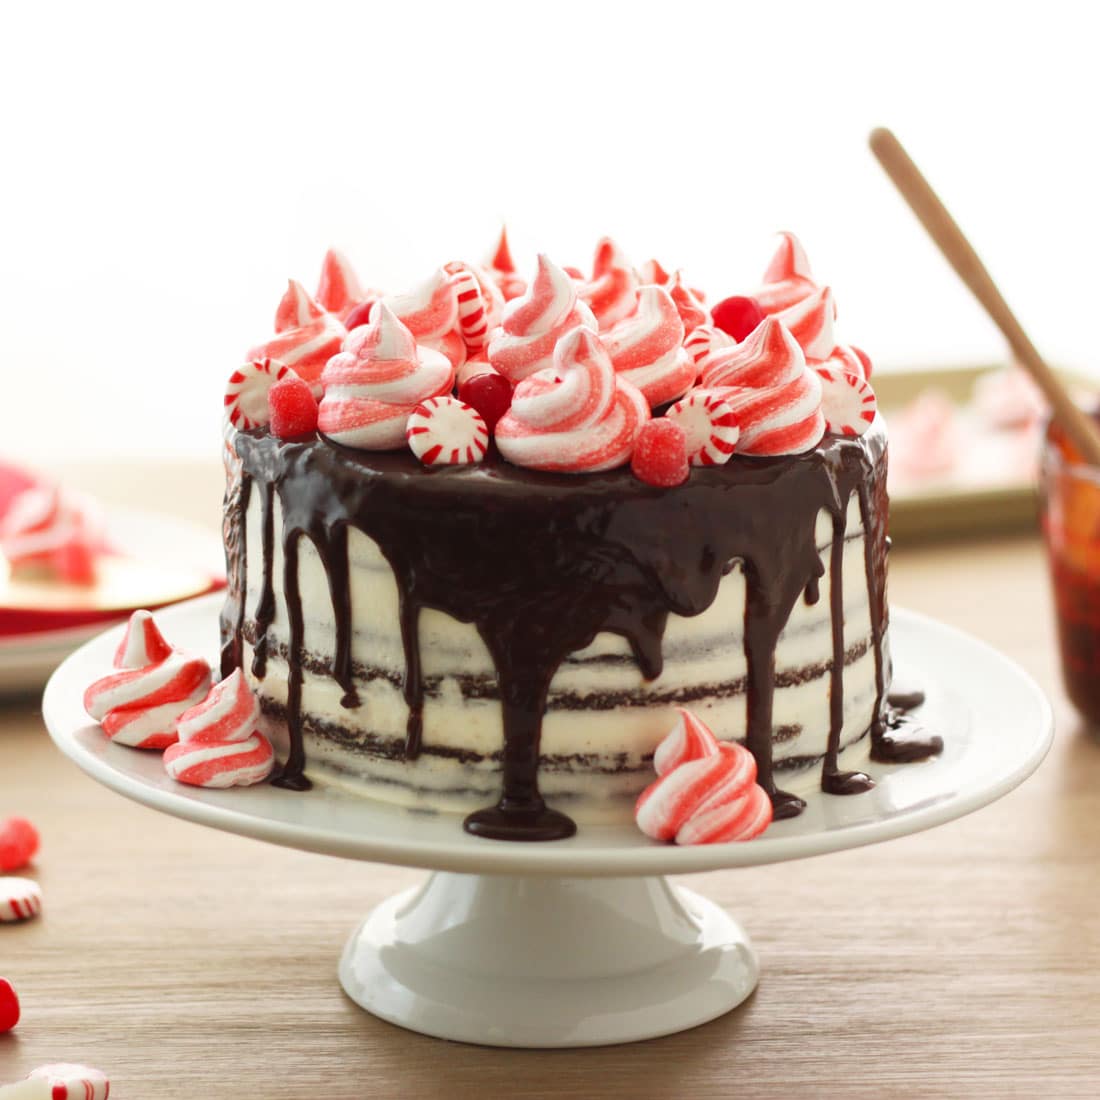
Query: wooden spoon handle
{"x": 960, "y": 254}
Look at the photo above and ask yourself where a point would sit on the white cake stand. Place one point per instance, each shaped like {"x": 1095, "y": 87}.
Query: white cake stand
{"x": 579, "y": 942}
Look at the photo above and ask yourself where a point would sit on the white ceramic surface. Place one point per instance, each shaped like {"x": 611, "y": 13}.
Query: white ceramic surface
{"x": 26, "y": 660}
{"x": 491, "y": 950}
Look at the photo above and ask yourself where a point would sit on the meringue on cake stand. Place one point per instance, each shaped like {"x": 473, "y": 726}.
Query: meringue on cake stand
{"x": 586, "y": 941}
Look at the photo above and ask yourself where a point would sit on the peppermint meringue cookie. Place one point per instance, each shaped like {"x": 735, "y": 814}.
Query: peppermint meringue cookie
{"x": 533, "y": 323}
{"x": 503, "y": 270}
{"x": 306, "y": 336}
{"x": 373, "y": 385}
{"x": 646, "y": 348}
{"x": 53, "y": 534}
{"x": 430, "y": 312}
{"x": 612, "y": 292}
{"x": 140, "y": 703}
{"x": 788, "y": 278}
{"x": 578, "y": 417}
{"x": 775, "y": 397}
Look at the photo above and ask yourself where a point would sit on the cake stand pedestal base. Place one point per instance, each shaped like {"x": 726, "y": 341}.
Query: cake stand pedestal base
{"x": 505, "y": 960}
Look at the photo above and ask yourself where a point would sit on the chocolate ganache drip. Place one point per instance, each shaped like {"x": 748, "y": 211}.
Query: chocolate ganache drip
{"x": 542, "y": 563}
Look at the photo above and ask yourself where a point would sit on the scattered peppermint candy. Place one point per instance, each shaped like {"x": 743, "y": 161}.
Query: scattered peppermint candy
{"x": 9, "y": 1006}
{"x": 710, "y": 427}
{"x": 705, "y": 339}
{"x": 18, "y": 843}
{"x": 246, "y": 392}
{"x": 20, "y": 899}
{"x": 70, "y": 1081}
{"x": 847, "y": 401}
{"x": 446, "y": 431}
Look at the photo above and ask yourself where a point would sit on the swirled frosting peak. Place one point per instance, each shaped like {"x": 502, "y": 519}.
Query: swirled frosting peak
{"x": 612, "y": 292}
{"x": 576, "y": 417}
{"x": 534, "y": 322}
{"x": 339, "y": 290}
{"x": 775, "y": 397}
{"x": 788, "y": 278}
{"x": 373, "y": 385}
{"x": 306, "y": 336}
{"x": 646, "y": 350}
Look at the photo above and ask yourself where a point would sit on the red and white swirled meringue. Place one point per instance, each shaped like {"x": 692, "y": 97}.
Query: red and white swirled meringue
{"x": 578, "y": 417}
{"x": 688, "y": 304}
{"x": 706, "y": 791}
{"x": 534, "y": 323}
{"x": 704, "y": 340}
{"x": 612, "y": 292}
{"x": 52, "y": 532}
{"x": 775, "y": 397}
{"x": 788, "y": 278}
{"x": 430, "y": 313}
{"x": 373, "y": 385}
{"x": 219, "y": 744}
{"x": 339, "y": 290}
{"x": 306, "y": 336}
{"x": 810, "y": 322}
{"x": 645, "y": 348}
{"x": 140, "y": 704}
{"x": 480, "y": 303}
{"x": 503, "y": 269}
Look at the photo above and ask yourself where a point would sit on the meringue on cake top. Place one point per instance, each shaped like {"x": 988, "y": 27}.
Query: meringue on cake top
{"x": 508, "y": 631}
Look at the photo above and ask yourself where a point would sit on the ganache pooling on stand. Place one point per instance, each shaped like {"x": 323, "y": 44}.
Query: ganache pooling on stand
{"x": 545, "y": 560}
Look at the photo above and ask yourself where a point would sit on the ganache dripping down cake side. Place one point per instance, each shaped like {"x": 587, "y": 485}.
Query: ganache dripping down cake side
{"x": 486, "y": 538}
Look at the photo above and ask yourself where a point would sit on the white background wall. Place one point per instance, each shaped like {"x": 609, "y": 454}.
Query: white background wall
{"x": 167, "y": 166}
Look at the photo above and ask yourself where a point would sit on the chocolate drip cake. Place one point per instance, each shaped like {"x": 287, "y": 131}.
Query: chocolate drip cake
{"x": 506, "y": 631}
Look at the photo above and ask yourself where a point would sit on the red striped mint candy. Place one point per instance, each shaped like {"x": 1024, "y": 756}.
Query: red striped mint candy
{"x": 847, "y": 401}
{"x": 710, "y": 427}
{"x": 20, "y": 899}
{"x": 480, "y": 303}
{"x": 705, "y": 339}
{"x": 446, "y": 431}
{"x": 246, "y": 392}
{"x": 73, "y": 1082}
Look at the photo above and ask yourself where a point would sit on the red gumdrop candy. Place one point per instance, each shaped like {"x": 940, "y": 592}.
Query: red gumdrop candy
{"x": 660, "y": 453}
{"x": 864, "y": 358}
{"x": 18, "y": 843}
{"x": 360, "y": 315}
{"x": 293, "y": 408}
{"x": 737, "y": 316}
{"x": 490, "y": 394}
{"x": 9, "y": 1006}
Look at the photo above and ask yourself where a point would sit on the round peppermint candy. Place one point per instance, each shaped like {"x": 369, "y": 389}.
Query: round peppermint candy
{"x": 446, "y": 431}
{"x": 246, "y": 392}
{"x": 710, "y": 427}
{"x": 847, "y": 401}
{"x": 20, "y": 899}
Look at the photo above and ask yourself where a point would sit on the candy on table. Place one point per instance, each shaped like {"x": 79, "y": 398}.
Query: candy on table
{"x": 70, "y": 1081}
{"x": 706, "y": 791}
{"x": 612, "y": 292}
{"x": 139, "y": 704}
{"x": 306, "y": 336}
{"x": 246, "y": 404}
{"x": 503, "y": 269}
{"x": 445, "y": 431}
{"x": 52, "y": 532}
{"x": 20, "y": 899}
{"x": 775, "y": 398}
{"x": 925, "y": 437}
{"x": 534, "y": 323}
{"x": 18, "y": 843}
{"x": 9, "y": 1006}
{"x": 1008, "y": 398}
{"x": 660, "y": 456}
{"x": 219, "y": 745}
{"x": 847, "y": 401}
{"x": 578, "y": 417}
{"x": 292, "y": 408}
{"x": 710, "y": 427}
{"x": 374, "y": 384}
{"x": 645, "y": 348}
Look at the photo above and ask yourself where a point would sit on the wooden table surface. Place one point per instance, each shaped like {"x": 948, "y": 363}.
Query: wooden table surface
{"x": 961, "y": 961}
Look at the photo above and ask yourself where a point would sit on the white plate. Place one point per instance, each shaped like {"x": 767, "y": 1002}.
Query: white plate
{"x": 579, "y": 942}
{"x": 26, "y": 660}
{"x": 995, "y": 722}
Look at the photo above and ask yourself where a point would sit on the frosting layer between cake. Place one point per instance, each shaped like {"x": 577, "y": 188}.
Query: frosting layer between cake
{"x": 450, "y": 636}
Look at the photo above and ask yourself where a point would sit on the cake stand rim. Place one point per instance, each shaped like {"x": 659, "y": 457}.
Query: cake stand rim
{"x": 267, "y": 814}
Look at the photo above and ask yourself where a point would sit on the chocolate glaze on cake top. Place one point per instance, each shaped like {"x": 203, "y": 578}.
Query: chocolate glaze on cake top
{"x": 542, "y": 563}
